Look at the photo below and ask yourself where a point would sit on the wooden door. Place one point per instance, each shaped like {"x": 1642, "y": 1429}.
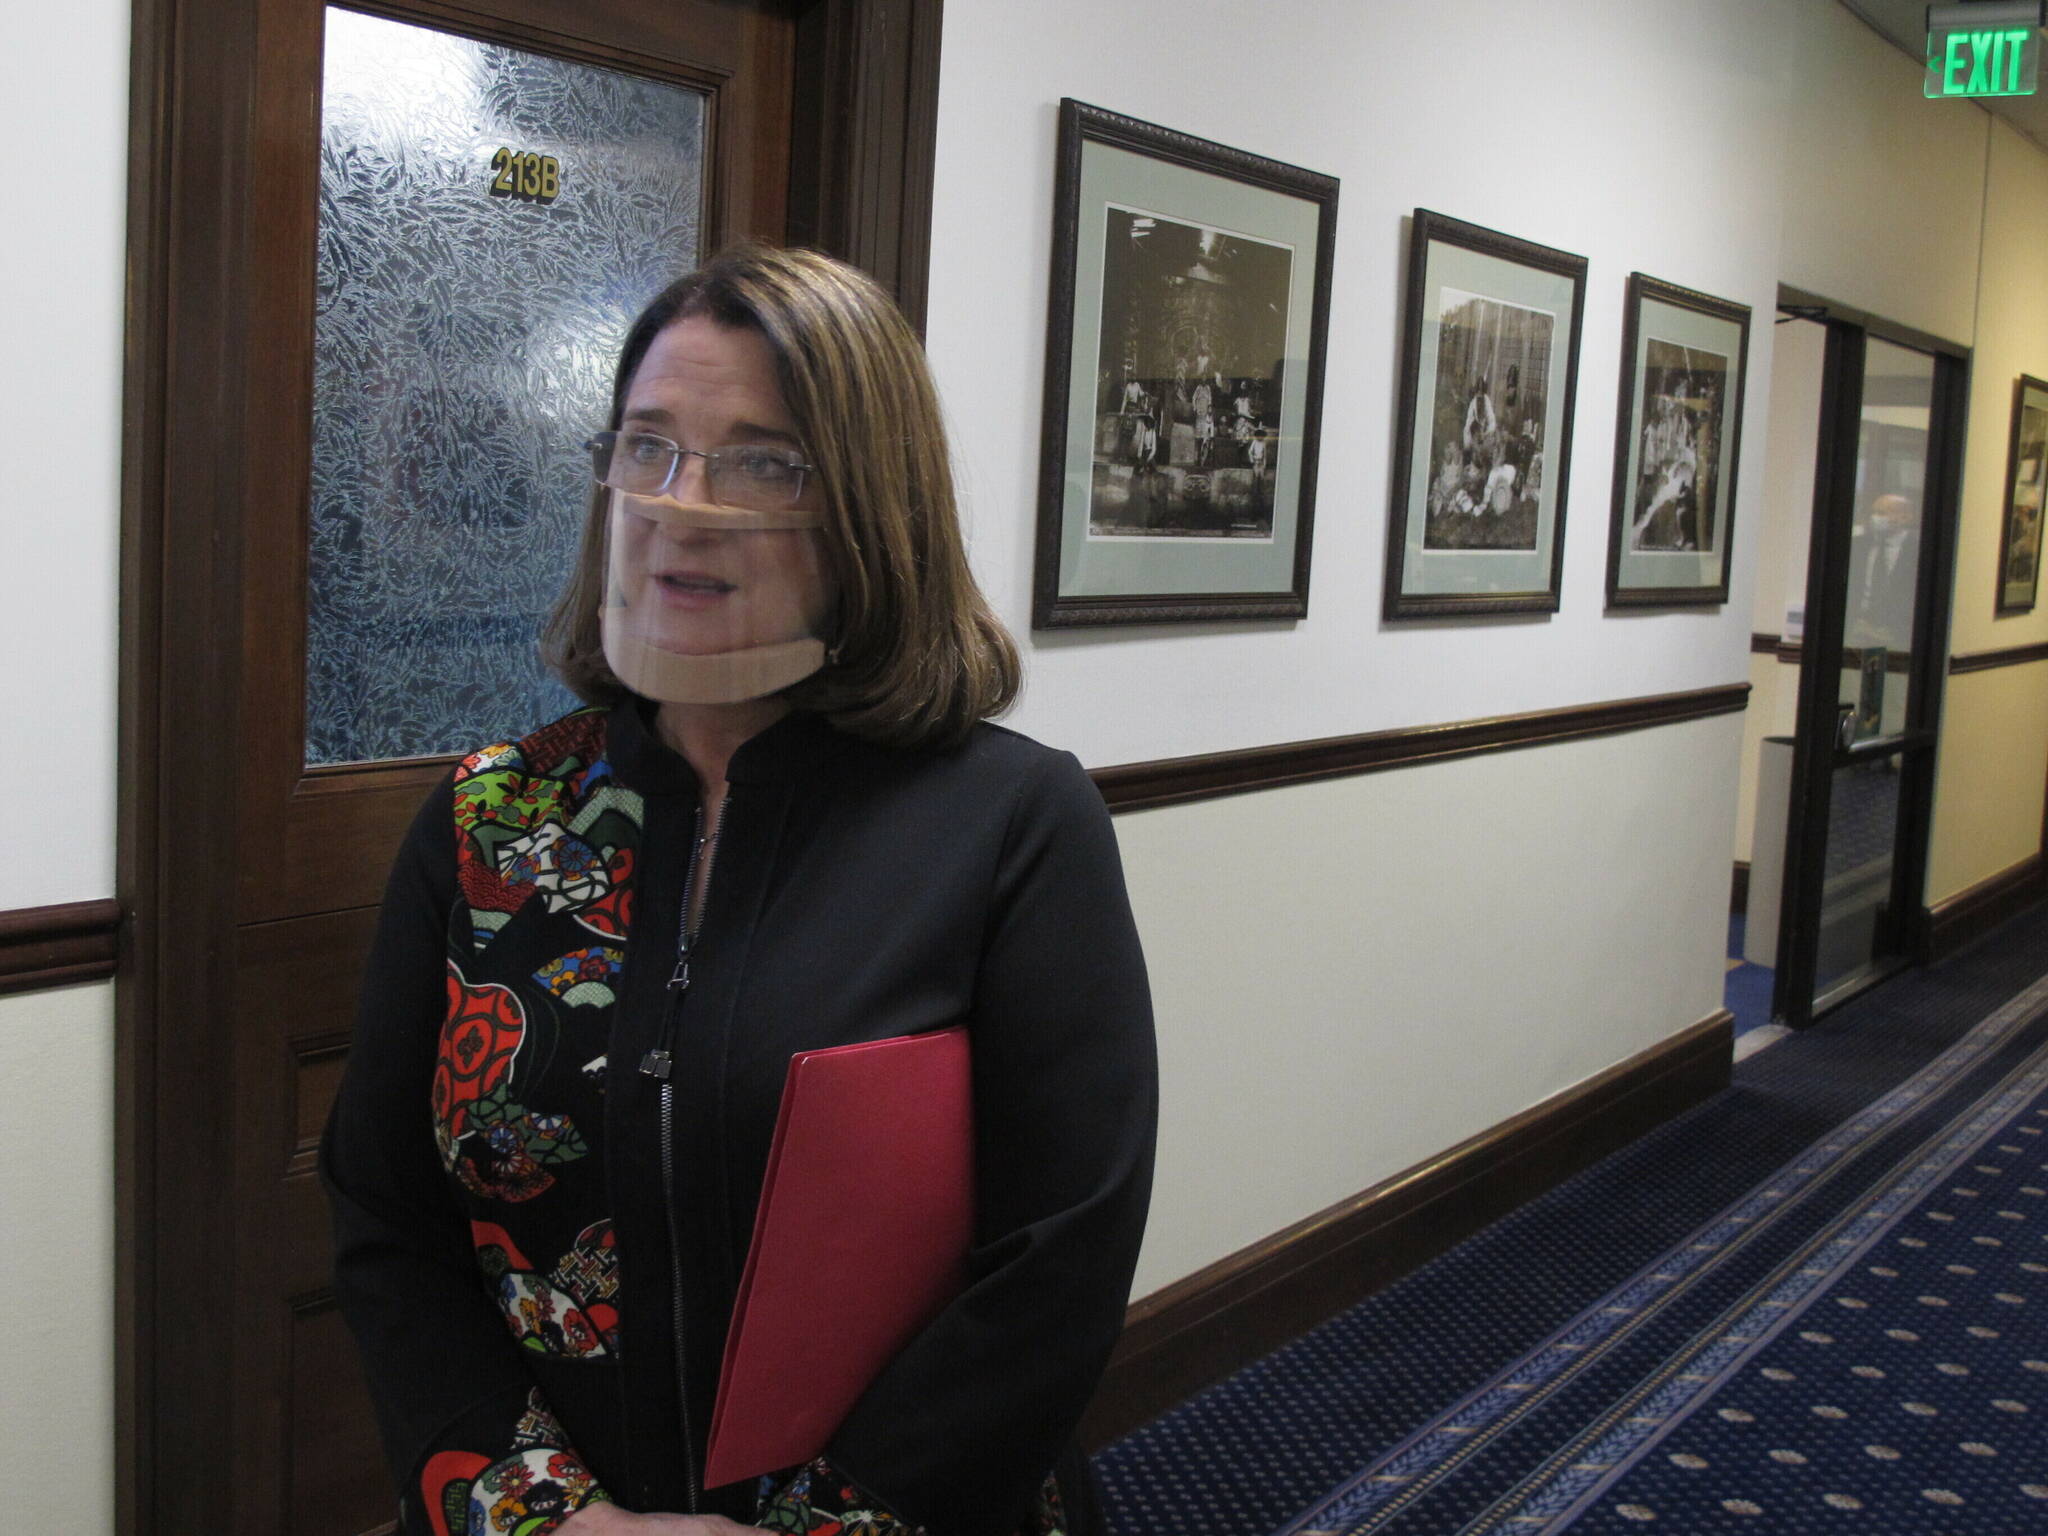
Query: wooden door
{"x": 255, "y": 828}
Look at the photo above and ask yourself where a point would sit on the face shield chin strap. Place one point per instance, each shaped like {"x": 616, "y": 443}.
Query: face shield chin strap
{"x": 724, "y": 677}
{"x": 732, "y": 676}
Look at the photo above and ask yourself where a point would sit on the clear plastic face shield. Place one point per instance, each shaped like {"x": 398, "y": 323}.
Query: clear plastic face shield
{"x": 716, "y": 586}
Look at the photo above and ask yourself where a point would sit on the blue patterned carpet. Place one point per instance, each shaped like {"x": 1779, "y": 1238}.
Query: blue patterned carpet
{"x": 1815, "y": 1303}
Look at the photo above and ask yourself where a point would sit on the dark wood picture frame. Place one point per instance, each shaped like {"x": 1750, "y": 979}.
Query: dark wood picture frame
{"x": 2004, "y": 603}
{"x": 1431, "y": 229}
{"x": 1644, "y": 289}
{"x": 1081, "y": 126}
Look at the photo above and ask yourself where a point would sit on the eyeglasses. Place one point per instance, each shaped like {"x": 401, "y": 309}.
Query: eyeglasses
{"x": 747, "y": 475}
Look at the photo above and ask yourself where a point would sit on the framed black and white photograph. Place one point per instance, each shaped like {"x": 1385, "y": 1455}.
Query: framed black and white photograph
{"x": 2026, "y": 474}
{"x": 1184, "y": 368}
{"x": 1482, "y": 449}
{"x": 1677, "y": 444}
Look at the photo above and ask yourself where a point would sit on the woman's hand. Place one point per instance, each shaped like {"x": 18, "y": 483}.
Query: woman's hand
{"x": 607, "y": 1519}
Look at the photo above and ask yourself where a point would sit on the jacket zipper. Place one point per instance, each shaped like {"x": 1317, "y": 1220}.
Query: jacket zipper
{"x": 658, "y": 1063}
{"x": 675, "y": 1293}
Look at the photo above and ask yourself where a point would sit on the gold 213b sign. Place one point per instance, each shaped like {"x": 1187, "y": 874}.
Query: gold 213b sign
{"x": 525, "y": 175}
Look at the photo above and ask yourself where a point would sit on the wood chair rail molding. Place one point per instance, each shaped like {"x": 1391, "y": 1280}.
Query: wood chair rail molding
{"x": 1790, "y": 652}
{"x": 1967, "y": 661}
{"x": 58, "y": 946}
{"x": 1179, "y": 780}
{"x": 2008, "y": 656}
{"x": 77, "y": 941}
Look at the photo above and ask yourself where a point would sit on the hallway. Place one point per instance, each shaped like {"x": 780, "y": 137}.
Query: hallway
{"x": 1429, "y": 842}
{"x": 1717, "y": 1342}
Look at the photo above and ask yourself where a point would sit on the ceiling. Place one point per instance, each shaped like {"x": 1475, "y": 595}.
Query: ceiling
{"x": 1904, "y": 23}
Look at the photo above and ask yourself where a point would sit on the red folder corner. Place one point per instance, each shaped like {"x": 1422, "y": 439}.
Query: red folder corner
{"x": 861, "y": 1237}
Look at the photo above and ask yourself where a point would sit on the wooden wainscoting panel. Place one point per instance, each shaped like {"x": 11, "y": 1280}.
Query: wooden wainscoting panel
{"x": 303, "y": 1422}
{"x": 342, "y": 1491}
{"x": 1221, "y": 1318}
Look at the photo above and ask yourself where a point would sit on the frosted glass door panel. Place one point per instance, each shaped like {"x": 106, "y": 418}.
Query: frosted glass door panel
{"x": 490, "y": 222}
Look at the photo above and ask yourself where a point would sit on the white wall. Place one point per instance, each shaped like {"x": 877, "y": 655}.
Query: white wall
{"x": 1362, "y": 100}
{"x": 57, "y": 1260}
{"x": 64, "y": 105}
{"x": 1424, "y": 941}
{"x": 2012, "y": 339}
{"x": 64, "y": 109}
{"x": 1884, "y": 189}
{"x": 1990, "y": 781}
{"x": 1988, "y": 797}
{"x": 1799, "y": 150}
{"x": 1787, "y": 434}
{"x": 1365, "y": 971}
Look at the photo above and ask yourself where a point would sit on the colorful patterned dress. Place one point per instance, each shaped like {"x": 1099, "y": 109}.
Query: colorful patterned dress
{"x": 546, "y": 1152}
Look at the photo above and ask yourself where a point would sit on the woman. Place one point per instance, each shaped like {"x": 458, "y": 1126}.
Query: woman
{"x": 781, "y": 826}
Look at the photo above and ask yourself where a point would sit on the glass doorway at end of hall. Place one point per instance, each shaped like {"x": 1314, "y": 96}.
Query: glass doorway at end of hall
{"x": 1886, "y": 494}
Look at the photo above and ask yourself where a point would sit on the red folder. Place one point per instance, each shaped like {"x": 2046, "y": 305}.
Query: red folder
{"x": 861, "y": 1237}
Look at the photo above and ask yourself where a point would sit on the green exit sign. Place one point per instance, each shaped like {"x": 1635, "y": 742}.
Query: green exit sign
{"x": 1984, "y": 49}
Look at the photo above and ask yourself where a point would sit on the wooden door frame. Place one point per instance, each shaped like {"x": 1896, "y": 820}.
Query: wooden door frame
{"x": 862, "y": 159}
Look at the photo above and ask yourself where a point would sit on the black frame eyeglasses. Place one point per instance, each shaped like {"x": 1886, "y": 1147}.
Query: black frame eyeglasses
{"x": 755, "y": 476}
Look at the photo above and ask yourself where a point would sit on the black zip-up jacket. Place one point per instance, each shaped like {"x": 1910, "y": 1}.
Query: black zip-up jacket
{"x": 495, "y": 1162}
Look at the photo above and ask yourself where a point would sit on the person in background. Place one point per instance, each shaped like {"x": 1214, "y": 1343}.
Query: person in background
{"x": 1884, "y": 574}
{"x": 781, "y": 823}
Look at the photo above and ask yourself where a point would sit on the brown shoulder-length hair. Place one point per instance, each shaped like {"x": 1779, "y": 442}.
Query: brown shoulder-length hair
{"x": 917, "y": 657}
